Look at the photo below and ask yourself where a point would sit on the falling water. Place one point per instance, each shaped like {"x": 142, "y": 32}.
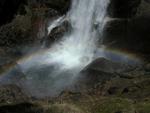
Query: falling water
{"x": 48, "y": 72}
{"x": 87, "y": 20}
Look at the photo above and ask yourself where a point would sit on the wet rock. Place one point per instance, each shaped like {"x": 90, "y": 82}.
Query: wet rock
{"x": 99, "y": 72}
{"x": 57, "y": 33}
{"x": 104, "y": 65}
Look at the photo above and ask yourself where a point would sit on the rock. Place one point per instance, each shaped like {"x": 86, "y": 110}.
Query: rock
{"x": 60, "y": 5}
{"x": 13, "y": 6}
{"x": 129, "y": 26}
{"x": 57, "y": 33}
{"x": 14, "y": 37}
{"x": 136, "y": 88}
{"x": 147, "y": 67}
{"x": 98, "y": 73}
{"x": 123, "y": 8}
{"x": 16, "y": 33}
{"x": 104, "y": 65}
{"x": 144, "y": 8}
{"x": 12, "y": 94}
{"x": 127, "y": 34}
{"x": 23, "y": 107}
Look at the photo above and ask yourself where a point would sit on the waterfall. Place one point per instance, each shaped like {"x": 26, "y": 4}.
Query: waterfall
{"x": 87, "y": 20}
{"x": 48, "y": 72}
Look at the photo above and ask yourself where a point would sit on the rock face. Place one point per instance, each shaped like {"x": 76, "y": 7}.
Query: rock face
{"x": 12, "y": 94}
{"x": 60, "y": 5}
{"x": 123, "y": 8}
{"x": 144, "y": 8}
{"x": 8, "y": 9}
{"x": 16, "y": 33}
{"x": 132, "y": 35}
{"x": 130, "y": 25}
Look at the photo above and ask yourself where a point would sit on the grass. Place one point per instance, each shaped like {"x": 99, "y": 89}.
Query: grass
{"x": 84, "y": 105}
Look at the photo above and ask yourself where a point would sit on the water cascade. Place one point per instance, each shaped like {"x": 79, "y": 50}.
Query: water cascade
{"x": 48, "y": 72}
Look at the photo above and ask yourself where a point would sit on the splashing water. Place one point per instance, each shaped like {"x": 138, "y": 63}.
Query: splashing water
{"x": 56, "y": 68}
{"x": 55, "y": 23}
{"x": 87, "y": 20}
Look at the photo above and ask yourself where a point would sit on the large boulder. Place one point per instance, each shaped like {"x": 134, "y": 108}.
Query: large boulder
{"x": 100, "y": 71}
{"x": 57, "y": 33}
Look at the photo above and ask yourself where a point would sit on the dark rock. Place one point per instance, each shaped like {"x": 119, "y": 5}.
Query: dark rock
{"x": 104, "y": 65}
{"x": 99, "y": 72}
{"x": 144, "y": 8}
{"x": 147, "y": 1}
{"x": 123, "y": 8}
{"x": 57, "y": 33}
{"x": 60, "y": 5}
{"x": 112, "y": 90}
{"x": 147, "y": 67}
{"x": 16, "y": 33}
{"x": 126, "y": 90}
{"x": 119, "y": 112}
{"x": 22, "y": 107}
{"x": 132, "y": 35}
{"x": 91, "y": 79}
{"x": 136, "y": 88}
{"x": 51, "y": 13}
{"x": 12, "y": 94}
{"x": 8, "y": 10}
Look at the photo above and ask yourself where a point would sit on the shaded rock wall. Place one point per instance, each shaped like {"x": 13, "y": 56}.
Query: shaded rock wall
{"x": 123, "y": 8}
{"x": 129, "y": 29}
{"x": 8, "y": 9}
{"x": 60, "y": 5}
